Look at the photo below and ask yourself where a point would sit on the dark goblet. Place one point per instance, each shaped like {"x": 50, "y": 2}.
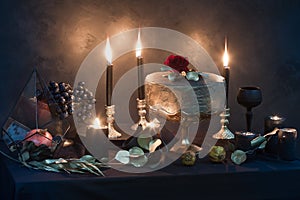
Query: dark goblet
{"x": 249, "y": 97}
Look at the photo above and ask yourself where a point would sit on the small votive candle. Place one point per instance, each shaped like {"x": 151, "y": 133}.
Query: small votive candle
{"x": 95, "y": 128}
{"x": 243, "y": 140}
{"x": 272, "y": 122}
{"x": 287, "y": 143}
{"x": 96, "y": 138}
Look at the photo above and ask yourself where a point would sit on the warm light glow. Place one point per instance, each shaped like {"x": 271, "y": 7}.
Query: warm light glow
{"x": 138, "y": 51}
{"x": 275, "y": 117}
{"x": 108, "y": 53}
{"x": 97, "y": 123}
{"x": 225, "y": 56}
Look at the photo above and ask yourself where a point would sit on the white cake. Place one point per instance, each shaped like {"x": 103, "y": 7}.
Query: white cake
{"x": 164, "y": 96}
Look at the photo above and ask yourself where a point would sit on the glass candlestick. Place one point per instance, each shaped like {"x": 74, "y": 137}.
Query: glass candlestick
{"x": 112, "y": 132}
{"x": 141, "y": 106}
{"x": 224, "y": 133}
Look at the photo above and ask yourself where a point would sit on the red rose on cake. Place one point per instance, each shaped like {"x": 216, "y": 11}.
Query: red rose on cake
{"x": 178, "y": 63}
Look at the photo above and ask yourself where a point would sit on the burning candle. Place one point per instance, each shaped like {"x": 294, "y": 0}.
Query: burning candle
{"x": 96, "y": 138}
{"x": 138, "y": 53}
{"x": 95, "y": 128}
{"x": 272, "y": 122}
{"x": 109, "y": 78}
{"x": 287, "y": 143}
{"x": 226, "y": 70}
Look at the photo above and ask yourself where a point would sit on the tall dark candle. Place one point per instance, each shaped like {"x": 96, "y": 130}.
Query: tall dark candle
{"x": 226, "y": 70}
{"x": 141, "y": 89}
{"x": 109, "y": 81}
{"x": 226, "y": 76}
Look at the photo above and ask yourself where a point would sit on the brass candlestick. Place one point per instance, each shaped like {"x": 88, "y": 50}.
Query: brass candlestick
{"x": 112, "y": 132}
{"x": 141, "y": 106}
{"x": 224, "y": 133}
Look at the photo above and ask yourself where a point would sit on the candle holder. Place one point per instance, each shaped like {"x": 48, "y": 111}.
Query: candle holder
{"x": 224, "y": 133}
{"x": 112, "y": 132}
{"x": 141, "y": 106}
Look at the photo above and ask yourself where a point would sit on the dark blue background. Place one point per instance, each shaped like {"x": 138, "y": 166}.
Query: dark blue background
{"x": 57, "y": 35}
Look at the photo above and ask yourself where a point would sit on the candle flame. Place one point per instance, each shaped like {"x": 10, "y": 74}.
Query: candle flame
{"x": 138, "y": 51}
{"x": 275, "y": 117}
{"x": 108, "y": 53}
{"x": 97, "y": 122}
{"x": 225, "y": 56}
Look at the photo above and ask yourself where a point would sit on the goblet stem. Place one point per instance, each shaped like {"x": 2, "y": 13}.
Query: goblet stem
{"x": 249, "y": 116}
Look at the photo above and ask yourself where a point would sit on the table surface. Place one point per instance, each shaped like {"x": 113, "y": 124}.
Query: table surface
{"x": 262, "y": 177}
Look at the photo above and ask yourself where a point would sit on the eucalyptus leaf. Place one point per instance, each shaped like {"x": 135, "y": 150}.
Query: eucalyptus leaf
{"x": 49, "y": 161}
{"x": 85, "y": 167}
{"x": 25, "y": 156}
{"x": 94, "y": 167}
{"x": 136, "y": 151}
{"x": 153, "y": 144}
{"x": 263, "y": 145}
{"x": 122, "y": 156}
{"x": 143, "y": 141}
{"x": 104, "y": 160}
{"x": 165, "y": 68}
{"x": 88, "y": 158}
{"x": 238, "y": 157}
{"x": 173, "y": 76}
{"x": 138, "y": 161}
{"x": 61, "y": 160}
{"x": 192, "y": 76}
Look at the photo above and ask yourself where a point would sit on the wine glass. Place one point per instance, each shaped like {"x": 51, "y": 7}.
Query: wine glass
{"x": 249, "y": 97}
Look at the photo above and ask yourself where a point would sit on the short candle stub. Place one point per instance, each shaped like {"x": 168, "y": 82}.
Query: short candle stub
{"x": 273, "y": 121}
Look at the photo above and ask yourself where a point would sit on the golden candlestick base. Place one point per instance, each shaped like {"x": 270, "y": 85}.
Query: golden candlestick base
{"x": 141, "y": 106}
{"x": 112, "y": 132}
{"x": 224, "y": 133}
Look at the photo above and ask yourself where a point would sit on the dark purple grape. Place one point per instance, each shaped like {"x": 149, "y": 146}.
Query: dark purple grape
{"x": 70, "y": 110}
{"x": 64, "y": 108}
{"x": 65, "y": 95}
{"x": 53, "y": 84}
{"x": 58, "y": 110}
{"x": 55, "y": 91}
{"x": 70, "y": 92}
{"x": 63, "y": 115}
{"x": 62, "y": 86}
{"x": 68, "y": 86}
{"x": 57, "y": 96}
{"x": 61, "y": 100}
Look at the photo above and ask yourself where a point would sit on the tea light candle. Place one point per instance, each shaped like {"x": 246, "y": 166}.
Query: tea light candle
{"x": 243, "y": 140}
{"x": 287, "y": 143}
{"x": 96, "y": 139}
{"x": 272, "y": 122}
{"x": 95, "y": 128}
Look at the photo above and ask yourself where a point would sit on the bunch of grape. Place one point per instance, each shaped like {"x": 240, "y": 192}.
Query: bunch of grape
{"x": 62, "y": 94}
{"x": 84, "y": 102}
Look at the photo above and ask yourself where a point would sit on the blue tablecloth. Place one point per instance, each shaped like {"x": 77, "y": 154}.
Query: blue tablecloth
{"x": 259, "y": 178}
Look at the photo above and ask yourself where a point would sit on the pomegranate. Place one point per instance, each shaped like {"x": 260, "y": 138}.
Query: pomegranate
{"x": 39, "y": 136}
